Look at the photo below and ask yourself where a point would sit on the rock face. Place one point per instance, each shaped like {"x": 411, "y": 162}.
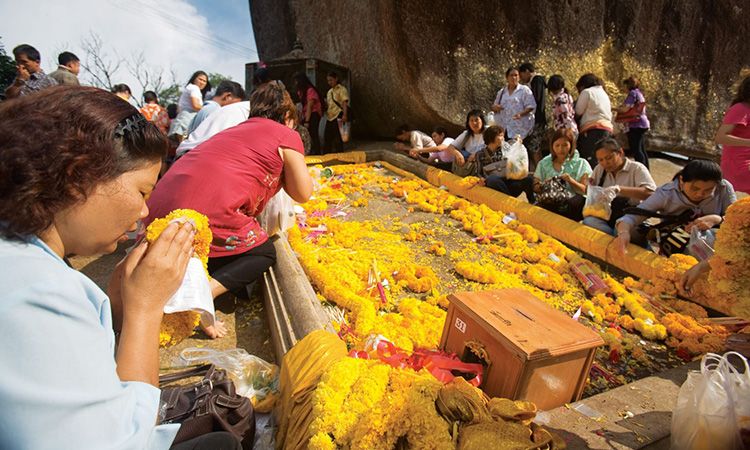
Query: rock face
{"x": 427, "y": 63}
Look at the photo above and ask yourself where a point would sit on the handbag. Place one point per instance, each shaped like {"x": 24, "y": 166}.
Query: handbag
{"x": 669, "y": 235}
{"x": 554, "y": 194}
{"x": 207, "y": 406}
{"x": 633, "y": 114}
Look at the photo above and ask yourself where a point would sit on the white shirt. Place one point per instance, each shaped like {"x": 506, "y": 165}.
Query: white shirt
{"x": 60, "y": 389}
{"x": 226, "y": 117}
{"x": 472, "y": 144}
{"x": 593, "y": 105}
{"x": 420, "y": 140}
{"x": 191, "y": 91}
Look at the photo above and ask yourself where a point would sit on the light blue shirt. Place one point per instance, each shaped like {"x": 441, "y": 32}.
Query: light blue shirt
{"x": 208, "y": 108}
{"x": 60, "y": 388}
{"x": 576, "y": 167}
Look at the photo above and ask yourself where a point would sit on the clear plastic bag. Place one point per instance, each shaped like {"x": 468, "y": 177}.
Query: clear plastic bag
{"x": 278, "y": 215}
{"x": 345, "y": 130}
{"x": 700, "y": 244}
{"x": 599, "y": 202}
{"x": 518, "y": 161}
{"x": 253, "y": 377}
{"x": 713, "y": 406}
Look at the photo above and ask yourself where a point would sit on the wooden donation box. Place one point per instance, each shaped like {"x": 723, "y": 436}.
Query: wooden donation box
{"x": 534, "y": 351}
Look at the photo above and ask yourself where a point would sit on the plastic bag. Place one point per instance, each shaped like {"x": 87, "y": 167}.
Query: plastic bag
{"x": 700, "y": 244}
{"x": 518, "y": 161}
{"x": 344, "y": 130}
{"x": 278, "y": 215}
{"x": 253, "y": 377}
{"x": 713, "y": 406}
{"x": 599, "y": 202}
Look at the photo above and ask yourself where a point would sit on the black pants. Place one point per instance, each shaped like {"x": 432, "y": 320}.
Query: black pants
{"x": 333, "y": 142}
{"x": 587, "y": 144}
{"x": 512, "y": 187}
{"x": 219, "y": 440}
{"x": 635, "y": 142}
{"x": 314, "y": 135}
{"x": 572, "y": 209}
{"x": 237, "y": 272}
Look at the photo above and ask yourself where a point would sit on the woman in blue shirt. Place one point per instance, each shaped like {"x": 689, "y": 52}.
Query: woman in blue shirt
{"x": 76, "y": 165}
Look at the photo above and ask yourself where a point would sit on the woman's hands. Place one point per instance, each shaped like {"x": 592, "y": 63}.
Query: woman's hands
{"x": 151, "y": 273}
{"x": 704, "y": 223}
{"x": 691, "y": 276}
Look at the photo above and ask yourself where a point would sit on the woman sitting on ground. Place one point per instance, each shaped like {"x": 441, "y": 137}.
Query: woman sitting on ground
{"x": 491, "y": 166}
{"x": 76, "y": 164}
{"x": 470, "y": 140}
{"x": 565, "y": 163}
{"x": 630, "y": 180}
{"x": 247, "y": 164}
{"x": 698, "y": 187}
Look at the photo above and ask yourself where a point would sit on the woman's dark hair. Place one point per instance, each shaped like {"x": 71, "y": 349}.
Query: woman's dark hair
{"x": 121, "y": 88}
{"x": 208, "y": 83}
{"x": 403, "y": 128}
{"x": 273, "y": 102}
{"x": 607, "y": 143}
{"x": 58, "y": 145}
{"x": 172, "y": 110}
{"x": 475, "y": 113}
{"x": 588, "y": 80}
{"x": 491, "y": 133}
{"x": 568, "y": 135}
{"x": 440, "y": 130}
{"x": 555, "y": 83}
{"x": 526, "y": 67}
{"x": 510, "y": 69}
{"x": 302, "y": 85}
{"x": 150, "y": 96}
{"x": 333, "y": 75}
{"x": 701, "y": 170}
{"x": 631, "y": 83}
{"x": 743, "y": 92}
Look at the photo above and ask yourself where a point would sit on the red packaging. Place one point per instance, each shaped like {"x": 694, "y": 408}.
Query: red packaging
{"x": 590, "y": 280}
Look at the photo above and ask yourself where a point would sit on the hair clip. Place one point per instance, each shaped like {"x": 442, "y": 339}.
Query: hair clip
{"x": 133, "y": 123}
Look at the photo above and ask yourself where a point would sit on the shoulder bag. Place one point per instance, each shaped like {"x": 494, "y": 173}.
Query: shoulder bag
{"x": 207, "y": 406}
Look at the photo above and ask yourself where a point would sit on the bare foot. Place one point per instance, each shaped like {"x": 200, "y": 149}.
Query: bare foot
{"x": 216, "y": 330}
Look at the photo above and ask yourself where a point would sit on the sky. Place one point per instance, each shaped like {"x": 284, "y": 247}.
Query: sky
{"x": 179, "y": 35}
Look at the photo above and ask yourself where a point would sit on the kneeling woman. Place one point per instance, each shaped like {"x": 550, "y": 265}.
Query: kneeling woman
{"x": 699, "y": 187}
{"x": 76, "y": 164}
{"x": 230, "y": 178}
{"x": 491, "y": 164}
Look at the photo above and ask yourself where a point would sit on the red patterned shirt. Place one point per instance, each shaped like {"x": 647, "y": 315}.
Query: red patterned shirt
{"x": 229, "y": 178}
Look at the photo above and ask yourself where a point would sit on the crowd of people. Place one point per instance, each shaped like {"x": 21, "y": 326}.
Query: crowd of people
{"x": 580, "y": 150}
{"x": 78, "y": 172}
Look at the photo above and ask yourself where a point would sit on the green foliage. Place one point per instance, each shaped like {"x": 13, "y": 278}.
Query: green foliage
{"x": 7, "y": 69}
{"x": 216, "y": 78}
{"x": 168, "y": 95}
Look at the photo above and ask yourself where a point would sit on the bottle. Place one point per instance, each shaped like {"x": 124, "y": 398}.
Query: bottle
{"x": 588, "y": 277}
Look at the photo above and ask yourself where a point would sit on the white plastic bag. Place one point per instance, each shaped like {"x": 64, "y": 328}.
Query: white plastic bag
{"x": 345, "y": 130}
{"x": 700, "y": 244}
{"x": 599, "y": 202}
{"x": 194, "y": 293}
{"x": 278, "y": 215}
{"x": 713, "y": 406}
{"x": 518, "y": 161}
{"x": 253, "y": 377}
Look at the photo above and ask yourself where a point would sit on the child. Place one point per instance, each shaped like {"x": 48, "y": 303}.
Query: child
{"x": 491, "y": 166}
{"x": 562, "y": 110}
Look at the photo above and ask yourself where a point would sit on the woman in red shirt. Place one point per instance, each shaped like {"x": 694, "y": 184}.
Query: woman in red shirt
{"x": 230, "y": 178}
{"x": 312, "y": 109}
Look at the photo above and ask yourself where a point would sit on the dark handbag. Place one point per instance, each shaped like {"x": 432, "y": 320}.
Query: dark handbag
{"x": 554, "y": 194}
{"x": 633, "y": 114}
{"x": 208, "y": 406}
{"x": 669, "y": 235}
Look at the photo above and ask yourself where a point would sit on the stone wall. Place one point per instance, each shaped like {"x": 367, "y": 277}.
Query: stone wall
{"x": 429, "y": 62}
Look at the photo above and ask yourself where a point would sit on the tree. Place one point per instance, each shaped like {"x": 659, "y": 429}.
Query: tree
{"x": 100, "y": 67}
{"x": 216, "y": 78}
{"x": 7, "y": 70}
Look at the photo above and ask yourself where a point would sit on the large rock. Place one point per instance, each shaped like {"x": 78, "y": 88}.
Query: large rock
{"x": 429, "y": 62}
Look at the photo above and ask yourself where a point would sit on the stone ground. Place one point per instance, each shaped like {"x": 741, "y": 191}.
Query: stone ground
{"x": 246, "y": 319}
